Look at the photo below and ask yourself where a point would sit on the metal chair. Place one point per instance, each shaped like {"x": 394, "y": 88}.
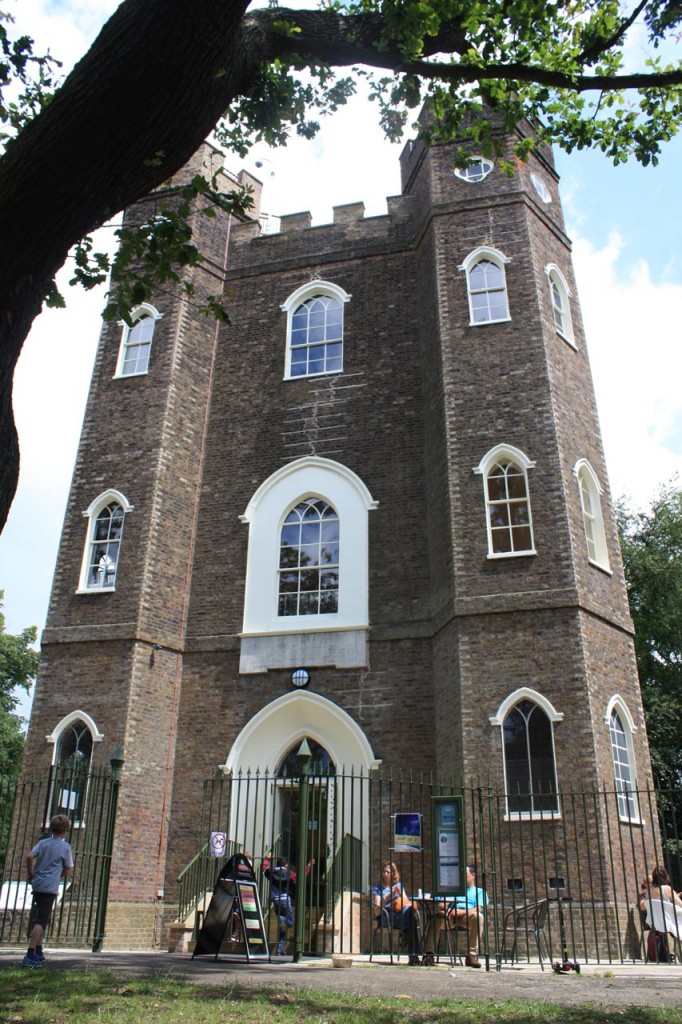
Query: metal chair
{"x": 530, "y": 918}
{"x": 384, "y": 927}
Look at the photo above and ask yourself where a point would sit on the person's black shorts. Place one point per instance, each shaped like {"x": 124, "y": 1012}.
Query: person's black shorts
{"x": 43, "y": 903}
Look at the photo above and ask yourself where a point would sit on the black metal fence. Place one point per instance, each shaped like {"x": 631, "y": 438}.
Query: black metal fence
{"x": 89, "y": 800}
{"x": 583, "y": 865}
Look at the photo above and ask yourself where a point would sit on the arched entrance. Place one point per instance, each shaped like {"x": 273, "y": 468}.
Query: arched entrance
{"x": 264, "y": 807}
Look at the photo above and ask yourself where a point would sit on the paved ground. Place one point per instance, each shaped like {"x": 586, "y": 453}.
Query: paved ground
{"x": 600, "y": 985}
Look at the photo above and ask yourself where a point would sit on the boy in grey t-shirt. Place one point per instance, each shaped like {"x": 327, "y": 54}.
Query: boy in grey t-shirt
{"x": 47, "y": 863}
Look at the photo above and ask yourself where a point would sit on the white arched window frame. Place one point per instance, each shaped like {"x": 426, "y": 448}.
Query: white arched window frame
{"x": 99, "y": 567}
{"x": 560, "y": 299}
{"x": 315, "y": 330}
{"x": 509, "y": 519}
{"x": 262, "y": 644}
{"x": 541, "y": 802}
{"x": 622, "y": 728}
{"x": 73, "y": 742}
{"x": 486, "y": 286}
{"x": 593, "y": 520}
{"x": 136, "y": 341}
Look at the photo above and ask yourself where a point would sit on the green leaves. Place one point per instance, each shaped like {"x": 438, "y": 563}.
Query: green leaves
{"x": 30, "y": 79}
{"x": 652, "y": 555}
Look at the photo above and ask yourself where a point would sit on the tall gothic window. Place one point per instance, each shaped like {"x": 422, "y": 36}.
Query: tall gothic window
{"x": 309, "y": 560}
{"x": 593, "y": 520}
{"x": 529, "y": 760}
{"x": 315, "y": 330}
{"x": 136, "y": 342}
{"x": 73, "y": 755}
{"x": 623, "y": 763}
{"x": 560, "y": 299}
{"x": 486, "y": 286}
{"x": 505, "y": 486}
{"x": 103, "y": 544}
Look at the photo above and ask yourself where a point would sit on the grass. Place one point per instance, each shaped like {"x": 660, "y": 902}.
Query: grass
{"x": 77, "y": 997}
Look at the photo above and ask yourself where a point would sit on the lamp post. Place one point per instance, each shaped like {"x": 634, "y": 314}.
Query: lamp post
{"x": 303, "y": 756}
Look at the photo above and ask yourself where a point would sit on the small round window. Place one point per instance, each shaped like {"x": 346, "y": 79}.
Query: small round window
{"x": 478, "y": 169}
{"x": 541, "y": 188}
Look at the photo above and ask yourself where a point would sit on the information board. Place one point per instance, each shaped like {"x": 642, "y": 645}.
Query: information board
{"x": 253, "y": 925}
{"x": 226, "y": 894}
{"x": 447, "y": 846}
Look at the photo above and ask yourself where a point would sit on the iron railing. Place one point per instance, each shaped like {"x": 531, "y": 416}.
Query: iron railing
{"x": 89, "y": 799}
{"x": 583, "y": 857}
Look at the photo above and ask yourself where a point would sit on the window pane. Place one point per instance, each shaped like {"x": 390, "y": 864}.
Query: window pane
{"x": 516, "y": 484}
{"x": 521, "y": 538}
{"x": 501, "y": 541}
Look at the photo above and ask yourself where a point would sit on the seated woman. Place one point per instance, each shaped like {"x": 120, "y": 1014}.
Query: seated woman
{"x": 659, "y": 891}
{"x": 389, "y": 899}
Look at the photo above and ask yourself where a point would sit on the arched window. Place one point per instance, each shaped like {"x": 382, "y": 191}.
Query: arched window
{"x": 136, "y": 342}
{"x": 309, "y": 560}
{"x": 560, "y": 295}
{"x": 529, "y": 764}
{"x": 315, "y": 330}
{"x": 593, "y": 521}
{"x": 510, "y": 527}
{"x": 103, "y": 543}
{"x": 487, "y": 286}
{"x": 320, "y": 761}
{"x": 307, "y": 568}
{"x": 621, "y": 728}
{"x": 74, "y": 740}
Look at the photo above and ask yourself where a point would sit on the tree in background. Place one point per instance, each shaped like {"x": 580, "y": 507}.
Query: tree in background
{"x": 18, "y": 667}
{"x": 652, "y": 554}
{"x": 163, "y": 73}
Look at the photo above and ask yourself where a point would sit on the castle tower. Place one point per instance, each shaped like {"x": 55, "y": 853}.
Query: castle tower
{"x": 385, "y": 471}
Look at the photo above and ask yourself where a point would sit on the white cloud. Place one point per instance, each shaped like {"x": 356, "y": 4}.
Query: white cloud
{"x": 633, "y": 337}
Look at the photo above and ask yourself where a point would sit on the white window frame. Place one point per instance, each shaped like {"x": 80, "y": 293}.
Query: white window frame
{"x": 561, "y": 312}
{"x": 312, "y": 290}
{"x": 487, "y": 463}
{"x": 618, "y": 707}
{"x": 525, "y": 693}
{"x": 312, "y": 476}
{"x": 468, "y": 173}
{"x": 593, "y": 518}
{"x": 143, "y": 312}
{"x": 499, "y": 260}
{"x": 55, "y": 737}
{"x": 91, "y": 514}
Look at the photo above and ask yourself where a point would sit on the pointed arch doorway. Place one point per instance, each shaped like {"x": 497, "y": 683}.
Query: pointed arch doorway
{"x": 264, "y": 807}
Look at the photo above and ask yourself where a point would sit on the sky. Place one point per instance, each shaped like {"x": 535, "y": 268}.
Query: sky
{"x": 625, "y": 223}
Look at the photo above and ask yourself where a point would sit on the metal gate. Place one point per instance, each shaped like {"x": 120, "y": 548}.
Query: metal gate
{"x": 89, "y": 800}
{"x": 585, "y": 859}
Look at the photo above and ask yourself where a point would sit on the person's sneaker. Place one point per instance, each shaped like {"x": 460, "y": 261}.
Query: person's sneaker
{"x": 31, "y": 960}
{"x": 414, "y": 960}
{"x": 280, "y": 949}
{"x": 472, "y": 961}
{"x": 40, "y": 956}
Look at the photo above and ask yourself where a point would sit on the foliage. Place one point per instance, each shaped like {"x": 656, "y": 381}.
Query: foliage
{"x": 154, "y": 253}
{"x": 652, "y": 554}
{"x": 564, "y": 66}
{"x": 18, "y": 667}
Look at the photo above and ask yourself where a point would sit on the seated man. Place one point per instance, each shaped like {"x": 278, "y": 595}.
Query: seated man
{"x": 465, "y": 914}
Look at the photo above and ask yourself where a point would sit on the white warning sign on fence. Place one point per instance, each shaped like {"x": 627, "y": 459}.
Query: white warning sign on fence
{"x": 218, "y": 841}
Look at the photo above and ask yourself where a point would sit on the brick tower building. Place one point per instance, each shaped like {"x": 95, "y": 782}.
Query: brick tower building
{"x": 386, "y": 472}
